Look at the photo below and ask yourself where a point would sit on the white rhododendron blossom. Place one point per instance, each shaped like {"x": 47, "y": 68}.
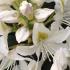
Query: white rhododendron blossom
{"x": 43, "y": 36}
{"x": 60, "y": 59}
{"x": 34, "y": 33}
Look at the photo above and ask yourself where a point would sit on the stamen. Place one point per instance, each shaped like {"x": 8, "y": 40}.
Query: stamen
{"x": 46, "y": 52}
{"x": 8, "y": 68}
{"x": 49, "y": 51}
{"x": 42, "y": 50}
{"x": 66, "y": 22}
{"x": 14, "y": 65}
{"x": 43, "y": 55}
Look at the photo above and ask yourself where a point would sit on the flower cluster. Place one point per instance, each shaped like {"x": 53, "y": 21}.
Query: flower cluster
{"x": 37, "y": 32}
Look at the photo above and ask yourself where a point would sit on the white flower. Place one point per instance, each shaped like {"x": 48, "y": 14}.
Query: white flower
{"x": 46, "y": 40}
{"x": 22, "y": 34}
{"x": 60, "y": 60}
{"x": 8, "y": 16}
{"x": 26, "y": 9}
{"x": 42, "y": 14}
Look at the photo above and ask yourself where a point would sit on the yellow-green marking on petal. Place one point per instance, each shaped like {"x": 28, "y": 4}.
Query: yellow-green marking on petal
{"x": 42, "y": 36}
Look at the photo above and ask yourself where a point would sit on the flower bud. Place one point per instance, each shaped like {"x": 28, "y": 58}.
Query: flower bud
{"x": 26, "y": 9}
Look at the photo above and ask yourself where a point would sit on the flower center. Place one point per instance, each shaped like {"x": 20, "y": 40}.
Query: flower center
{"x": 42, "y": 36}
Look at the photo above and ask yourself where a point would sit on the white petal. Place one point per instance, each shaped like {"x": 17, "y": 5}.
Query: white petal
{"x": 66, "y": 8}
{"x": 53, "y": 47}
{"x": 14, "y": 56}
{"x": 35, "y": 33}
{"x": 1, "y": 56}
{"x": 22, "y": 34}
{"x": 25, "y": 50}
{"x": 68, "y": 41}
{"x": 55, "y": 26}
{"x": 42, "y": 14}
{"x": 3, "y": 46}
{"x": 38, "y": 27}
{"x": 60, "y": 57}
{"x": 3, "y": 63}
{"x": 66, "y": 51}
{"x": 38, "y": 52}
{"x": 60, "y": 36}
{"x": 58, "y": 1}
{"x": 6, "y": 63}
{"x": 16, "y": 67}
{"x": 33, "y": 65}
{"x": 67, "y": 12}
{"x": 40, "y": 63}
{"x": 10, "y": 20}
{"x": 8, "y": 16}
{"x": 23, "y": 65}
{"x": 56, "y": 67}
{"x": 4, "y": 30}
